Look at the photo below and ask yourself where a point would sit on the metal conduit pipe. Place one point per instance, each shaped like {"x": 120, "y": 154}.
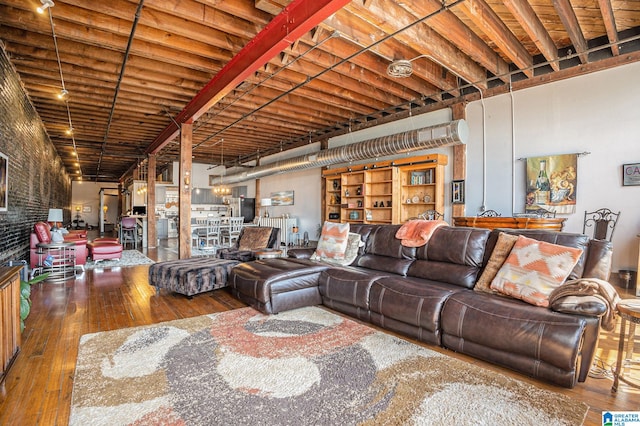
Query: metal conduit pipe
{"x": 452, "y": 133}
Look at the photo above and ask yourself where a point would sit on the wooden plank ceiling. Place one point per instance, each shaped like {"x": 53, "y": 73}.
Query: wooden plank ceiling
{"x": 331, "y": 80}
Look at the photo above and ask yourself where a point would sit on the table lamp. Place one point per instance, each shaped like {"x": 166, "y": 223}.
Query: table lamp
{"x": 265, "y": 202}
{"x": 55, "y": 216}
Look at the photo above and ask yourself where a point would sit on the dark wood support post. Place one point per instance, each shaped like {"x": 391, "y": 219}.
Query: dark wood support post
{"x": 152, "y": 232}
{"x": 459, "y": 159}
{"x": 185, "y": 180}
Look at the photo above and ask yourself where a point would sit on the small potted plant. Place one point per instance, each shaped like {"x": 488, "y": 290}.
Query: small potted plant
{"x": 25, "y": 297}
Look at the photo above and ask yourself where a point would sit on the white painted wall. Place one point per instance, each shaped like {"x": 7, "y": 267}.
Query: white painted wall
{"x": 305, "y": 184}
{"x": 87, "y": 194}
{"x": 597, "y": 113}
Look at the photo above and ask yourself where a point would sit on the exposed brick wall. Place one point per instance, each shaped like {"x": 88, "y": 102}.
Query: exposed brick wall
{"x": 37, "y": 178}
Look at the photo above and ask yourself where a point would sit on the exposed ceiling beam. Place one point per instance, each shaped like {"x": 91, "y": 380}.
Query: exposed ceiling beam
{"x": 529, "y": 21}
{"x": 571, "y": 24}
{"x": 482, "y": 15}
{"x": 610, "y": 25}
{"x": 294, "y": 21}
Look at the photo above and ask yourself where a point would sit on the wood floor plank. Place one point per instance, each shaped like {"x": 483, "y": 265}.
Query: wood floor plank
{"x": 38, "y": 388}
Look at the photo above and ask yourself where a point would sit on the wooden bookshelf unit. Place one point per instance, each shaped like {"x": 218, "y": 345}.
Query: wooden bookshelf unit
{"x": 386, "y": 192}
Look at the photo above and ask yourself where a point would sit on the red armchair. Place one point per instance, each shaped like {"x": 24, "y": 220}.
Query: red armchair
{"x": 42, "y": 234}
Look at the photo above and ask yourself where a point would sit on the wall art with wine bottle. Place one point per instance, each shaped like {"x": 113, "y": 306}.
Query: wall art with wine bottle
{"x": 551, "y": 183}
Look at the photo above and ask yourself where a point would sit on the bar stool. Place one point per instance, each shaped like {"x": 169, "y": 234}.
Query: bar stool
{"x": 129, "y": 231}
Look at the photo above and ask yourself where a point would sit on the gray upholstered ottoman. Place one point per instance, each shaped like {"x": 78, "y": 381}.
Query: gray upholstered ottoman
{"x": 191, "y": 276}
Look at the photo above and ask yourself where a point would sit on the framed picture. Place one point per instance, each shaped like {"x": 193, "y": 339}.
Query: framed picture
{"x": 631, "y": 174}
{"x": 4, "y": 182}
{"x": 282, "y": 198}
{"x": 86, "y": 209}
{"x": 457, "y": 192}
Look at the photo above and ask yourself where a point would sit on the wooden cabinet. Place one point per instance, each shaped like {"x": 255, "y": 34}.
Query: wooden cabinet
{"x": 548, "y": 223}
{"x": 9, "y": 317}
{"x": 385, "y": 192}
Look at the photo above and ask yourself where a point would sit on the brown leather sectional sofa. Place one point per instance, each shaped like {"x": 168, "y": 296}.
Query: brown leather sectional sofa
{"x": 427, "y": 293}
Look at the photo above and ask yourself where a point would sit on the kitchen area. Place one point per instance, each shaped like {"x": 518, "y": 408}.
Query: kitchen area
{"x": 204, "y": 203}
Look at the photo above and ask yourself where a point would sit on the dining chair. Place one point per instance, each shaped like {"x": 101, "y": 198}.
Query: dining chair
{"x": 602, "y": 222}
{"x": 234, "y": 230}
{"x": 212, "y": 237}
{"x": 489, "y": 213}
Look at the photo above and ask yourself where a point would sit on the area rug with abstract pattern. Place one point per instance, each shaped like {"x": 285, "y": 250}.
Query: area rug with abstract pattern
{"x": 129, "y": 258}
{"x": 303, "y": 367}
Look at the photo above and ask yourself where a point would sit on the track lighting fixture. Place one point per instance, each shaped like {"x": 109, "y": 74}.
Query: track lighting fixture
{"x": 63, "y": 95}
{"x": 46, "y": 4}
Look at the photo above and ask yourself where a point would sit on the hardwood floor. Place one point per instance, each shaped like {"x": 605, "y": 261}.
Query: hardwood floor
{"x": 37, "y": 389}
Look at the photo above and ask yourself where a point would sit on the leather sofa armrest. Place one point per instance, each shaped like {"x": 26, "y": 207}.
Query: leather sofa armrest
{"x": 300, "y": 253}
{"x": 591, "y": 306}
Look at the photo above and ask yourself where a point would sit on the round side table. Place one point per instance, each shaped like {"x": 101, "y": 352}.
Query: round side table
{"x": 267, "y": 254}
{"x": 629, "y": 310}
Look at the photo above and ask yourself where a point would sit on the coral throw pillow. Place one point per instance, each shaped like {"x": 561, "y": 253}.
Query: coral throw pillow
{"x": 501, "y": 250}
{"x": 534, "y": 269}
{"x": 333, "y": 241}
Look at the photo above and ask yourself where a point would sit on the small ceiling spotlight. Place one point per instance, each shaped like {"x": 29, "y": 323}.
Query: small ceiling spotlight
{"x": 63, "y": 95}
{"x": 46, "y": 4}
{"x": 69, "y": 131}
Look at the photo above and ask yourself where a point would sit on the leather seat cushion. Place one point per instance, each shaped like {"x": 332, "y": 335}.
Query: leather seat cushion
{"x": 104, "y": 247}
{"x": 260, "y": 279}
{"x": 348, "y": 284}
{"x": 416, "y": 302}
{"x": 531, "y": 334}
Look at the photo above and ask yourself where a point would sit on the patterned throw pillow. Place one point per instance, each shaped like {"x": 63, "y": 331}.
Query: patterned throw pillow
{"x": 333, "y": 241}
{"x": 354, "y": 242}
{"x": 534, "y": 269}
{"x": 254, "y": 238}
{"x": 503, "y": 247}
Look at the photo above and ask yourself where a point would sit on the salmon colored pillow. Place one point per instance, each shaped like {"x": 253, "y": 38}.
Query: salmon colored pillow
{"x": 333, "y": 241}
{"x": 534, "y": 269}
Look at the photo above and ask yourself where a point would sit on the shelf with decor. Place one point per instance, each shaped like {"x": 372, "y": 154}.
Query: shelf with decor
{"x": 378, "y": 200}
{"x": 377, "y": 192}
{"x": 353, "y": 197}
{"x": 333, "y": 197}
{"x": 421, "y": 189}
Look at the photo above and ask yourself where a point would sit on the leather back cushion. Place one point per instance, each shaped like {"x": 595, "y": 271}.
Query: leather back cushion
{"x": 42, "y": 231}
{"x": 453, "y": 255}
{"x": 364, "y": 231}
{"x": 383, "y": 251}
{"x": 561, "y": 238}
{"x": 254, "y": 238}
